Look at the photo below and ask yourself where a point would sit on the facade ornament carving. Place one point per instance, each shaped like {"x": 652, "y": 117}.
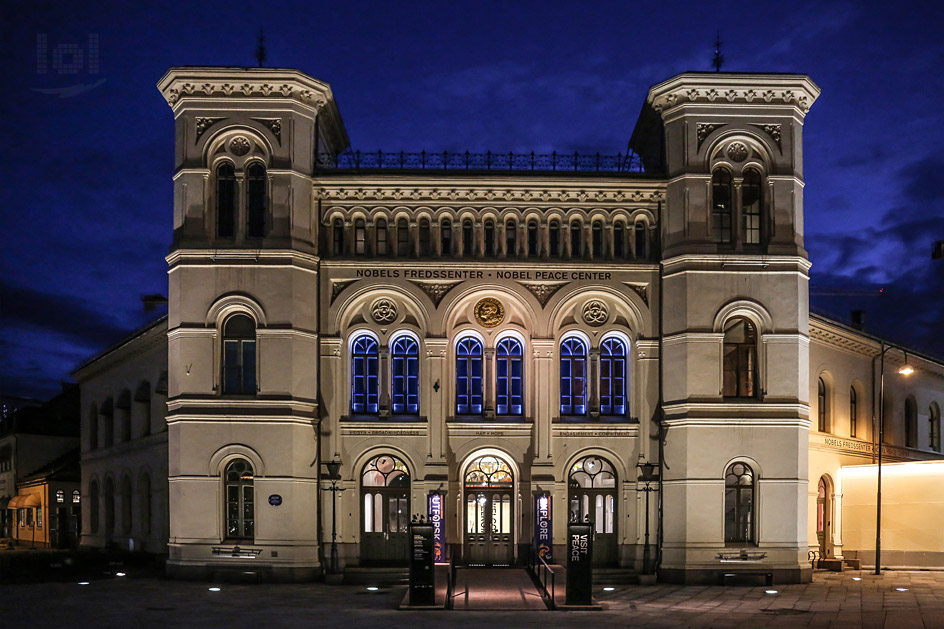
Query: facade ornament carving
{"x": 544, "y": 291}
{"x": 384, "y": 310}
{"x": 435, "y": 290}
{"x": 731, "y": 95}
{"x": 704, "y": 129}
{"x": 205, "y": 123}
{"x": 773, "y": 130}
{"x": 595, "y": 312}
{"x": 640, "y": 289}
{"x": 239, "y": 146}
{"x": 337, "y": 287}
{"x": 175, "y": 91}
{"x": 489, "y": 312}
{"x": 737, "y": 151}
{"x": 504, "y": 196}
{"x": 274, "y": 125}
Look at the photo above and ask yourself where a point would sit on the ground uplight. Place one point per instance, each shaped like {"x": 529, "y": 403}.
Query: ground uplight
{"x": 214, "y": 589}
{"x": 372, "y": 588}
{"x": 856, "y": 578}
{"x": 772, "y": 591}
{"x": 83, "y": 582}
{"x": 120, "y": 574}
{"x": 608, "y": 589}
{"x": 902, "y": 589}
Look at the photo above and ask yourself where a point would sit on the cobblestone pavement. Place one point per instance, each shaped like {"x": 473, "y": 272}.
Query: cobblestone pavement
{"x": 832, "y": 600}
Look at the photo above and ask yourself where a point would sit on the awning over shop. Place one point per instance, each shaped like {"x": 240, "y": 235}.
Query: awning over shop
{"x": 24, "y": 501}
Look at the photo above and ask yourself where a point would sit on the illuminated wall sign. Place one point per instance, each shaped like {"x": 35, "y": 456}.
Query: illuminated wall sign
{"x": 543, "y": 531}
{"x": 435, "y": 513}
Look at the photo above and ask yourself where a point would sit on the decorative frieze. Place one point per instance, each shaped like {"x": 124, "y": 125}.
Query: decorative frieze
{"x": 773, "y": 130}
{"x": 202, "y": 124}
{"x": 543, "y": 291}
{"x": 274, "y": 125}
{"x": 435, "y": 290}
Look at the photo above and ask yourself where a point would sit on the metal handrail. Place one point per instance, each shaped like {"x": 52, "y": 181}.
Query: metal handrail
{"x": 450, "y": 583}
{"x": 554, "y": 162}
{"x": 549, "y": 596}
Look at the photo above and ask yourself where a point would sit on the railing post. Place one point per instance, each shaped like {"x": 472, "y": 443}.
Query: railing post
{"x": 598, "y": 161}
{"x": 532, "y": 160}
{"x": 401, "y": 159}
{"x": 445, "y": 160}
{"x": 511, "y": 161}
{"x": 423, "y": 159}
{"x": 357, "y": 159}
{"x": 467, "y": 160}
{"x": 554, "y": 160}
{"x": 576, "y": 159}
{"x": 488, "y": 160}
{"x": 380, "y": 159}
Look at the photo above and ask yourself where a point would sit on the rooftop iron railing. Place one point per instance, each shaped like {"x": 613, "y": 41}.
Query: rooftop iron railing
{"x": 424, "y": 160}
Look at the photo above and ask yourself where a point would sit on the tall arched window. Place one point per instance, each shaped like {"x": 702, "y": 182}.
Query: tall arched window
{"x": 853, "y": 412}
{"x": 740, "y": 358}
{"x": 403, "y": 238}
{"x": 109, "y": 506}
{"x": 468, "y": 238}
{"x": 126, "y": 509}
{"x": 239, "y": 355}
{"x": 425, "y": 243}
{"x": 240, "y": 502}
{"x": 405, "y": 358}
{"x": 934, "y": 417}
{"x": 145, "y": 500}
{"x": 642, "y": 240}
{"x": 445, "y": 237}
{"x": 256, "y": 196}
{"x": 592, "y": 483}
{"x": 94, "y": 506}
{"x": 911, "y": 423}
{"x": 721, "y": 206}
{"x": 60, "y": 496}
{"x": 385, "y": 494}
{"x": 380, "y": 237}
{"x": 225, "y": 200}
{"x": 822, "y": 406}
{"x": 360, "y": 237}
{"x": 751, "y": 204}
{"x": 511, "y": 239}
{"x": 76, "y": 497}
{"x": 739, "y": 504}
{"x": 108, "y": 422}
{"x": 573, "y": 377}
{"x": 553, "y": 238}
{"x": 489, "y": 238}
{"x": 576, "y": 239}
{"x": 123, "y": 412}
{"x": 597, "y": 239}
{"x": 469, "y": 377}
{"x": 619, "y": 241}
{"x": 365, "y": 380}
{"x": 510, "y": 389}
{"x": 142, "y": 398}
{"x": 613, "y": 377}
{"x": 532, "y": 238}
{"x": 93, "y": 427}
{"x": 337, "y": 234}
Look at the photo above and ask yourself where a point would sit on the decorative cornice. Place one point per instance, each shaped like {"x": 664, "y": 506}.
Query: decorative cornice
{"x": 490, "y": 195}
{"x": 843, "y": 341}
{"x": 185, "y": 82}
{"x": 722, "y": 89}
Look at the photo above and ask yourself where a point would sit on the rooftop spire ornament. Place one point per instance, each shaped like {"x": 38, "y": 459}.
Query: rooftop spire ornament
{"x": 718, "y": 59}
{"x": 260, "y": 49}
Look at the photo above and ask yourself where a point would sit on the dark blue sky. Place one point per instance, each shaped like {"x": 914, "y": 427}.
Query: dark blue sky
{"x": 87, "y": 206}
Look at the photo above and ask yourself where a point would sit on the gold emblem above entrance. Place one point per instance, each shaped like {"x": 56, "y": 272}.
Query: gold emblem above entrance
{"x": 489, "y": 312}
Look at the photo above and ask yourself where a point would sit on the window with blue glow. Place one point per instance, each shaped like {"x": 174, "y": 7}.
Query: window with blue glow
{"x": 613, "y": 377}
{"x": 510, "y": 393}
{"x": 469, "y": 377}
{"x": 364, "y": 375}
{"x": 573, "y": 377}
{"x": 406, "y": 379}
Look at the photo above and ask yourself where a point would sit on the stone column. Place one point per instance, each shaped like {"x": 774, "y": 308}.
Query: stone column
{"x": 384, "y": 367}
{"x": 593, "y": 377}
{"x": 490, "y": 382}
{"x": 542, "y": 396}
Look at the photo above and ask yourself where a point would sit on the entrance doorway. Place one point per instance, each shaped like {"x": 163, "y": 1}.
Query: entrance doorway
{"x": 824, "y": 523}
{"x": 592, "y": 484}
{"x": 385, "y": 500}
{"x": 489, "y": 512}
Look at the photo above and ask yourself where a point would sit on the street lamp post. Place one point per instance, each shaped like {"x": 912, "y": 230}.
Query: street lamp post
{"x": 904, "y": 370}
{"x": 647, "y": 471}
{"x": 334, "y": 475}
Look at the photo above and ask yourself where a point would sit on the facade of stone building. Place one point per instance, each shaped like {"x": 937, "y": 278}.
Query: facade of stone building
{"x": 509, "y": 338}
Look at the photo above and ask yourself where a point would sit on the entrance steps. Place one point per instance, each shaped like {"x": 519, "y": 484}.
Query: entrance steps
{"x": 371, "y": 575}
{"x": 615, "y": 576}
{"x": 838, "y": 565}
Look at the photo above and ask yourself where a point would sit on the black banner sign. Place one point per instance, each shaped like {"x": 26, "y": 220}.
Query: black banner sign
{"x": 422, "y": 576}
{"x": 579, "y": 564}
{"x": 543, "y": 542}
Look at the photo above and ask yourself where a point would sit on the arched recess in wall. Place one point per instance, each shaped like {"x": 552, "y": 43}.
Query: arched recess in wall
{"x": 220, "y": 458}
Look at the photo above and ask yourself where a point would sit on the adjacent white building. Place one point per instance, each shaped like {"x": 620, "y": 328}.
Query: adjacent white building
{"x": 500, "y": 331}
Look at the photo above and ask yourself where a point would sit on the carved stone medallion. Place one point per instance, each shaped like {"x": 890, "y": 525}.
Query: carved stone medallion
{"x": 489, "y": 312}
{"x": 239, "y": 146}
{"x": 595, "y": 313}
{"x": 738, "y": 152}
{"x": 383, "y": 311}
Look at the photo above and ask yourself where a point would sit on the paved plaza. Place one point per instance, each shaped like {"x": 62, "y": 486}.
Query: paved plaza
{"x": 850, "y": 599}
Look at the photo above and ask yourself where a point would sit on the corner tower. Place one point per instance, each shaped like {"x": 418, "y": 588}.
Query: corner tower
{"x": 735, "y": 324}
{"x": 243, "y": 415}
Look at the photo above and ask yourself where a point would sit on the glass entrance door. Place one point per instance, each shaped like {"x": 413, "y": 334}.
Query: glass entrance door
{"x": 489, "y": 512}
{"x": 385, "y": 511}
{"x": 593, "y": 493}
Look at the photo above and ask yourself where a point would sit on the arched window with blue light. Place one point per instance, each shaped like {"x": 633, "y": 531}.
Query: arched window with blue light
{"x": 469, "y": 377}
{"x": 613, "y": 377}
{"x": 510, "y": 393}
{"x": 365, "y": 390}
{"x": 573, "y": 377}
{"x": 406, "y": 375}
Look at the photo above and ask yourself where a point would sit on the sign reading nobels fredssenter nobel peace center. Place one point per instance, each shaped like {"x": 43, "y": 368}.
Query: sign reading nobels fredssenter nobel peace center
{"x": 512, "y": 335}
